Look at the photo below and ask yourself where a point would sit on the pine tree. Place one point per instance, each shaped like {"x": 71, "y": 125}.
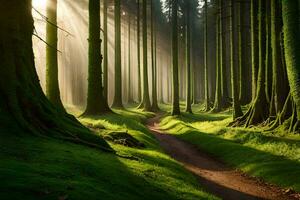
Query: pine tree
{"x": 52, "y": 84}
{"x": 175, "y": 100}
{"x": 237, "y": 111}
{"x": 117, "y": 102}
{"x": 96, "y": 102}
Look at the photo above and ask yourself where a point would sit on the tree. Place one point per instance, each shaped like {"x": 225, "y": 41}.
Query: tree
{"x": 105, "y": 49}
{"x": 96, "y": 102}
{"x": 175, "y": 100}
{"x": 237, "y": 111}
{"x": 218, "y": 98}
{"x": 52, "y": 85}
{"x": 254, "y": 45}
{"x": 244, "y": 96}
{"x": 188, "y": 107}
{"x": 24, "y": 107}
{"x": 129, "y": 89}
{"x": 153, "y": 56}
{"x": 290, "y": 14}
{"x": 117, "y": 102}
{"x": 145, "y": 104}
{"x": 139, "y": 50}
{"x": 206, "y": 90}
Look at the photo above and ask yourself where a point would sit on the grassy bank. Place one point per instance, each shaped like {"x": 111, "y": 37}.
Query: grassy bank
{"x": 274, "y": 157}
{"x": 45, "y": 168}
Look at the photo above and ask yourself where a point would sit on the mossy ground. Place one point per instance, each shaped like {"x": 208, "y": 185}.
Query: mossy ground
{"x": 272, "y": 156}
{"x": 45, "y": 168}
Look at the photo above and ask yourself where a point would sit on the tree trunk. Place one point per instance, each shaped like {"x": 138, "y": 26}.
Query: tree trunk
{"x": 218, "y": 98}
{"x": 96, "y": 103}
{"x": 254, "y": 45}
{"x": 206, "y": 89}
{"x": 146, "y": 104}
{"x": 139, "y": 52}
{"x": 188, "y": 107}
{"x": 105, "y": 50}
{"x": 129, "y": 89}
{"x": 117, "y": 102}
{"x": 175, "y": 103}
{"x": 52, "y": 84}
{"x": 154, "y": 62}
{"x": 24, "y": 107}
{"x": 290, "y": 12}
{"x": 237, "y": 111}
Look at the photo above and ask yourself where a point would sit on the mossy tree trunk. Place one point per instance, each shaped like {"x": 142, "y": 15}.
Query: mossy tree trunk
{"x": 145, "y": 104}
{"x": 188, "y": 103}
{"x": 237, "y": 111}
{"x": 175, "y": 93}
{"x": 138, "y": 29}
{"x": 206, "y": 87}
{"x": 280, "y": 88}
{"x": 258, "y": 113}
{"x": 254, "y": 45}
{"x": 290, "y": 13}
{"x": 24, "y": 107}
{"x": 105, "y": 49}
{"x": 243, "y": 68}
{"x": 129, "y": 89}
{"x": 218, "y": 98}
{"x": 223, "y": 50}
{"x": 96, "y": 102}
{"x": 52, "y": 83}
{"x": 117, "y": 101}
{"x": 153, "y": 58}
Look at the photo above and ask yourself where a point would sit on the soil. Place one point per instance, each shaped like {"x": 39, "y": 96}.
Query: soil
{"x": 215, "y": 176}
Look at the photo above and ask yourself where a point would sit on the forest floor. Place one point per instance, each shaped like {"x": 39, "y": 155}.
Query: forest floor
{"x": 45, "y": 168}
{"x": 215, "y": 176}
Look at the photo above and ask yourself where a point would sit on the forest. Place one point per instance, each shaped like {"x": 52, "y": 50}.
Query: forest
{"x": 150, "y": 99}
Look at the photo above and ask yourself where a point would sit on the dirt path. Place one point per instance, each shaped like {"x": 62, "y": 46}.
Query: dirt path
{"x": 213, "y": 175}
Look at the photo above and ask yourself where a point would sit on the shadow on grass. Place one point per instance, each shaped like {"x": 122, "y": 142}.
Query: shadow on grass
{"x": 35, "y": 168}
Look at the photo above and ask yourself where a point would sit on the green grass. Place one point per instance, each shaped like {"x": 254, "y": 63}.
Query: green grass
{"x": 274, "y": 157}
{"x": 45, "y": 168}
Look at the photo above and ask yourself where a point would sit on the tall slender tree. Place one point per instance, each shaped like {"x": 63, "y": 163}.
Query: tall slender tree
{"x": 117, "y": 101}
{"x": 145, "y": 104}
{"x": 218, "y": 98}
{"x": 237, "y": 111}
{"x": 206, "y": 89}
{"x": 153, "y": 56}
{"x": 52, "y": 84}
{"x": 105, "y": 49}
{"x": 139, "y": 91}
{"x": 188, "y": 103}
{"x": 175, "y": 100}
{"x": 254, "y": 45}
{"x": 96, "y": 102}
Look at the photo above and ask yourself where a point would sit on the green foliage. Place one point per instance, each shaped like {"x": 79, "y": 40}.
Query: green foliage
{"x": 270, "y": 156}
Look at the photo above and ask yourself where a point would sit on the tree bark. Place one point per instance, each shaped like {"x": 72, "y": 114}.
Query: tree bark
{"x": 52, "y": 83}
{"x": 24, "y": 107}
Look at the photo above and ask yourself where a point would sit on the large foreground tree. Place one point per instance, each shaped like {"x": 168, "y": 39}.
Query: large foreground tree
{"x": 24, "y": 109}
{"x": 291, "y": 21}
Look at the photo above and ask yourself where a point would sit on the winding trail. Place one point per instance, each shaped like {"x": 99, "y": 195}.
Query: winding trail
{"x": 213, "y": 175}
